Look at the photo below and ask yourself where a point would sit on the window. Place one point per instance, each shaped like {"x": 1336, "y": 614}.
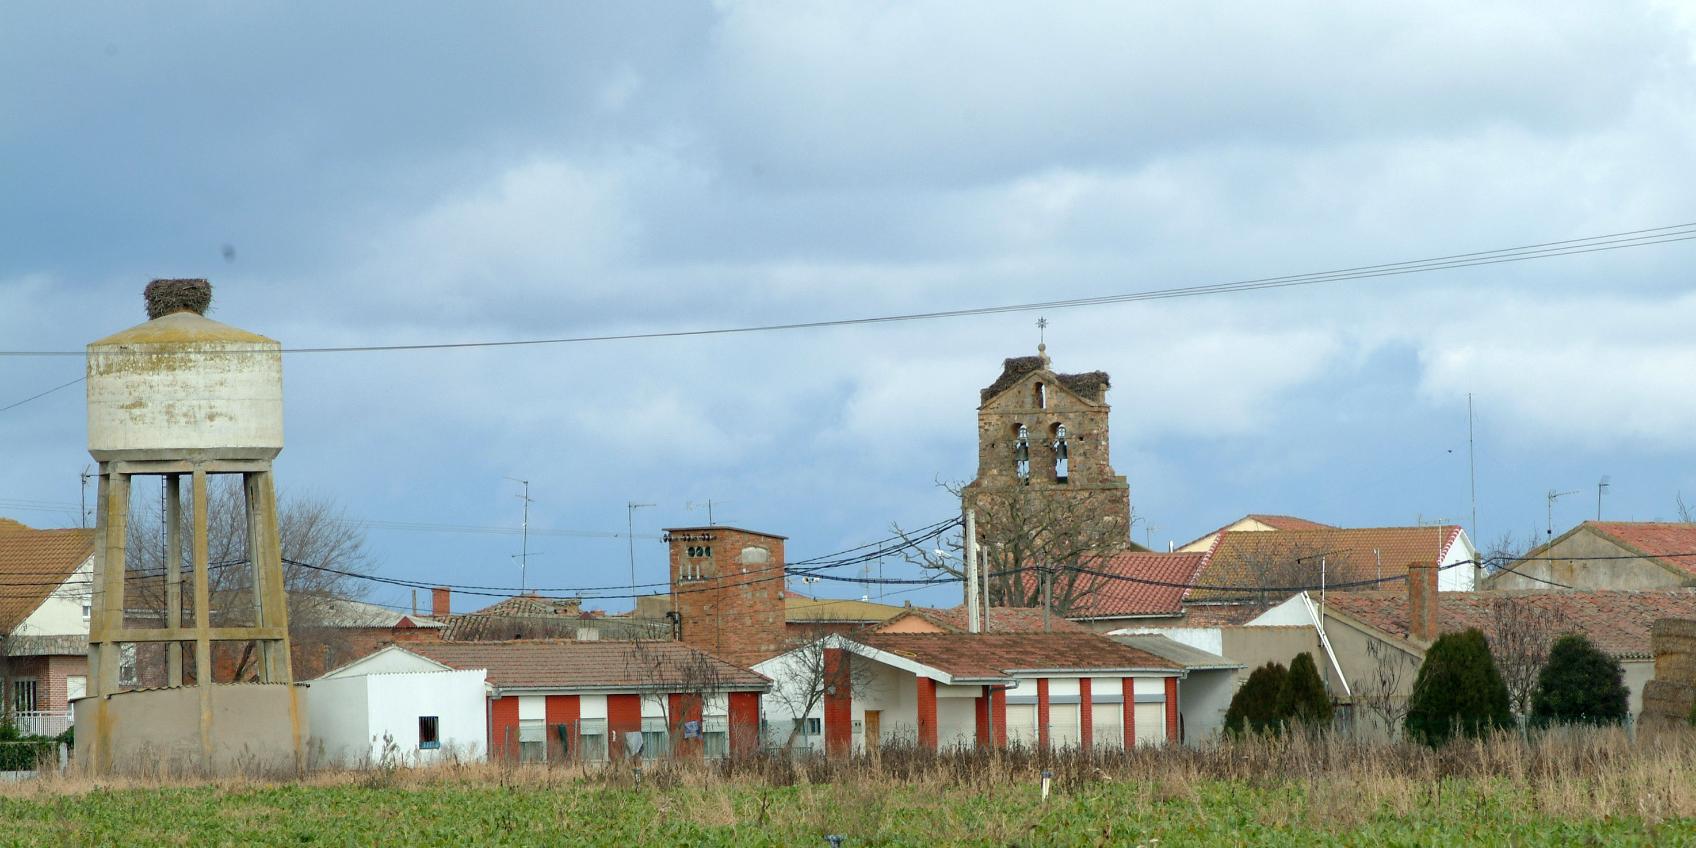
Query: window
{"x": 1021, "y": 725}
{"x": 532, "y": 728}
{"x": 1062, "y": 455}
{"x": 699, "y": 551}
{"x": 126, "y": 664}
{"x": 427, "y": 734}
{"x": 715, "y": 736}
{"x": 1022, "y": 453}
{"x": 592, "y": 739}
{"x": 1041, "y": 393}
{"x": 656, "y": 739}
{"x": 87, "y": 606}
{"x": 23, "y": 696}
{"x": 1108, "y": 726}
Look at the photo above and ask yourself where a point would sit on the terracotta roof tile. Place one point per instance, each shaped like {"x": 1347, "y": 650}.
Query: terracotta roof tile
{"x": 1617, "y": 621}
{"x": 1292, "y": 557}
{"x": 1001, "y": 620}
{"x": 588, "y": 665}
{"x": 33, "y": 563}
{"x": 529, "y": 616}
{"x": 1287, "y": 522}
{"x": 1111, "y": 597}
{"x": 995, "y": 655}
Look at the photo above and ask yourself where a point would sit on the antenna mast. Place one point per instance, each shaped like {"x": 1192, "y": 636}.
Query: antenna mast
{"x": 1601, "y": 487}
{"x": 524, "y": 535}
{"x": 1552, "y": 497}
{"x": 630, "y": 508}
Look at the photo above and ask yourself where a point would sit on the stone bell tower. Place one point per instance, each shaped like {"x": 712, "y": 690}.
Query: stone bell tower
{"x": 1043, "y": 456}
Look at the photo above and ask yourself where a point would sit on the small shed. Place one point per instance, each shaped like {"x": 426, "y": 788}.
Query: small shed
{"x": 395, "y": 706}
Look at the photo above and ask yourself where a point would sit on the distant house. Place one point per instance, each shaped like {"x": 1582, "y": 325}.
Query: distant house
{"x": 998, "y": 620}
{"x": 806, "y": 617}
{"x": 1136, "y": 587}
{"x": 44, "y": 610}
{"x": 558, "y": 700}
{"x": 1253, "y": 523}
{"x": 1607, "y": 555}
{"x": 397, "y": 707}
{"x": 950, "y": 690}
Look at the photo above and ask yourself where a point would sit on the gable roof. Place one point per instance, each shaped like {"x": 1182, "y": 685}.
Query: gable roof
{"x": 1618, "y": 622}
{"x": 1244, "y": 559}
{"x": 520, "y": 615}
{"x": 1156, "y": 585}
{"x": 1000, "y": 620}
{"x": 1287, "y": 522}
{"x": 1090, "y": 385}
{"x": 585, "y": 666}
{"x": 34, "y": 563}
{"x": 345, "y": 612}
{"x": 1670, "y": 543}
{"x": 995, "y": 656}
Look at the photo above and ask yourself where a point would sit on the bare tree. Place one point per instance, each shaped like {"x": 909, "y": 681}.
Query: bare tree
{"x": 1685, "y": 513}
{"x": 1520, "y": 635}
{"x": 806, "y": 676}
{"x": 323, "y": 558}
{"x": 1384, "y": 691}
{"x": 1028, "y": 534}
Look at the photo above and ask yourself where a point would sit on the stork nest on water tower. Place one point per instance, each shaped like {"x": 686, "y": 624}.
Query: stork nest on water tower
{"x": 167, "y": 296}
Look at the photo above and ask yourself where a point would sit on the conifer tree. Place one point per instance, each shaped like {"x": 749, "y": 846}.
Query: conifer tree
{"x": 1255, "y": 707}
{"x": 1458, "y": 690}
{"x": 1303, "y": 699}
{"x": 1580, "y": 685}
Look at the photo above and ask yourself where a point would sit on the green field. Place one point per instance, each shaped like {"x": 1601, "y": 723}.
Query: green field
{"x": 577, "y": 812}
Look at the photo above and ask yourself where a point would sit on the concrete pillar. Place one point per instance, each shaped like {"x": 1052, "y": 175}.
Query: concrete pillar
{"x": 927, "y": 713}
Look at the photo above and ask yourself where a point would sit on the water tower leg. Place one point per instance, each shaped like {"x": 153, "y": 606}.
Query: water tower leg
{"x": 202, "y": 617}
{"x": 173, "y": 576}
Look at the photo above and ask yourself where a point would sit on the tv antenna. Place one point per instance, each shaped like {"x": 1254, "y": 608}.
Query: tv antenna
{"x": 1601, "y": 486}
{"x": 708, "y": 503}
{"x": 1552, "y": 497}
{"x": 524, "y": 535}
{"x": 630, "y": 508}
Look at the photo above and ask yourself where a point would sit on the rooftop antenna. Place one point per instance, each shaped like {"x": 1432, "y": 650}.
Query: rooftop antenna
{"x": 1552, "y": 497}
{"x": 1601, "y": 486}
{"x": 524, "y": 533}
{"x": 630, "y": 508}
{"x": 708, "y": 503}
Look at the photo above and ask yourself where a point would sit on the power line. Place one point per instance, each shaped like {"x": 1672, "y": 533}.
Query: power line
{"x": 1542, "y": 250}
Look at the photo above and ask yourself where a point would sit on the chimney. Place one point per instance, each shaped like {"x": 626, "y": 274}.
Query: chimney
{"x": 439, "y": 602}
{"x": 1422, "y": 601}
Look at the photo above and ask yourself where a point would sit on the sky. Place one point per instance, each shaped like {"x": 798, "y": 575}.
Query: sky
{"x": 404, "y": 173}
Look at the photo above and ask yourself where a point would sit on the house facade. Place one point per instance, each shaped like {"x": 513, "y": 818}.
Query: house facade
{"x": 942, "y": 691}
{"x": 44, "y": 612}
{"x": 1619, "y": 555}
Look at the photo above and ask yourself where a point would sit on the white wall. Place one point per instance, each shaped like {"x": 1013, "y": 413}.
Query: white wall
{"x": 389, "y": 660}
{"x": 60, "y": 614}
{"x": 351, "y": 715}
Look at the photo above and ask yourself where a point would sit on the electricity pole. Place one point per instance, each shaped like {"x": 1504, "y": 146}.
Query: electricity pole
{"x": 974, "y": 613}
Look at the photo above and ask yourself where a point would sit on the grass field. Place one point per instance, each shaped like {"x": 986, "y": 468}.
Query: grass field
{"x": 1602, "y": 789}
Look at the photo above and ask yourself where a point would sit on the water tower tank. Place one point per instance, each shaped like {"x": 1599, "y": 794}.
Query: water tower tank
{"x": 183, "y": 385}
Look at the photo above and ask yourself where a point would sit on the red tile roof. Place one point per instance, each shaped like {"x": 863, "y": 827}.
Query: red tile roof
{"x": 627, "y": 666}
{"x": 523, "y": 616}
{"x": 33, "y": 563}
{"x": 1136, "y": 583}
{"x": 1001, "y": 620}
{"x": 1287, "y": 522}
{"x": 1242, "y": 560}
{"x": 1617, "y": 621}
{"x": 995, "y": 655}
{"x": 1664, "y": 541}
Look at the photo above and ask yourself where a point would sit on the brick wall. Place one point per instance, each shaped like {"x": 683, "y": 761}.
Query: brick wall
{"x": 727, "y": 584}
{"x": 838, "y": 703}
{"x": 624, "y": 715}
{"x": 503, "y": 727}
{"x": 744, "y": 723}
{"x": 561, "y": 709}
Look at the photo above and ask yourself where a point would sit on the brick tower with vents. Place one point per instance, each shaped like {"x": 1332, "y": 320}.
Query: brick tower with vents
{"x": 727, "y": 589}
{"x": 1043, "y": 447}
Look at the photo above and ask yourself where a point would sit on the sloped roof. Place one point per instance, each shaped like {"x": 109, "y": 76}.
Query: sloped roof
{"x": 800, "y": 609}
{"x": 526, "y": 613}
{"x": 989, "y": 656}
{"x": 1163, "y": 578}
{"x": 345, "y": 612}
{"x": 1672, "y": 543}
{"x": 1618, "y": 622}
{"x": 1287, "y": 522}
{"x": 33, "y": 563}
{"x": 1001, "y": 620}
{"x": 1191, "y": 658}
{"x": 1244, "y": 560}
{"x": 631, "y": 666}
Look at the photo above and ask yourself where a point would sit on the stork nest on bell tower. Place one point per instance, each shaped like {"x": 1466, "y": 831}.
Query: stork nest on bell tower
{"x": 167, "y": 296}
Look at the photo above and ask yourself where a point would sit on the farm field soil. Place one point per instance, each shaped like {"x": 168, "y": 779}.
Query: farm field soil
{"x": 464, "y": 813}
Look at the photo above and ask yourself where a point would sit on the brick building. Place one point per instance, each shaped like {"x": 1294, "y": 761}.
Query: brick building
{"x": 727, "y": 590}
{"x": 44, "y": 610}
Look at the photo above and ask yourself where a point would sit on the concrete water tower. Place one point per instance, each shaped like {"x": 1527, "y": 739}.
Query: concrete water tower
{"x": 182, "y": 396}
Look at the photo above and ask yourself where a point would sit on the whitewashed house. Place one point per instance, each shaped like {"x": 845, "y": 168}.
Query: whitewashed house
{"x": 398, "y": 707}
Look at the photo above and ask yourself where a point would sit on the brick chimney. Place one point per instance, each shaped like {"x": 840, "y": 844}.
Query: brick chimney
{"x": 1422, "y": 601}
{"x": 439, "y": 602}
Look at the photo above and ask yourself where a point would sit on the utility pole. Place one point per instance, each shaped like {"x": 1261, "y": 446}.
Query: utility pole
{"x": 1601, "y": 487}
{"x": 630, "y": 508}
{"x": 1471, "y": 466}
{"x": 974, "y": 615}
{"x": 524, "y": 535}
